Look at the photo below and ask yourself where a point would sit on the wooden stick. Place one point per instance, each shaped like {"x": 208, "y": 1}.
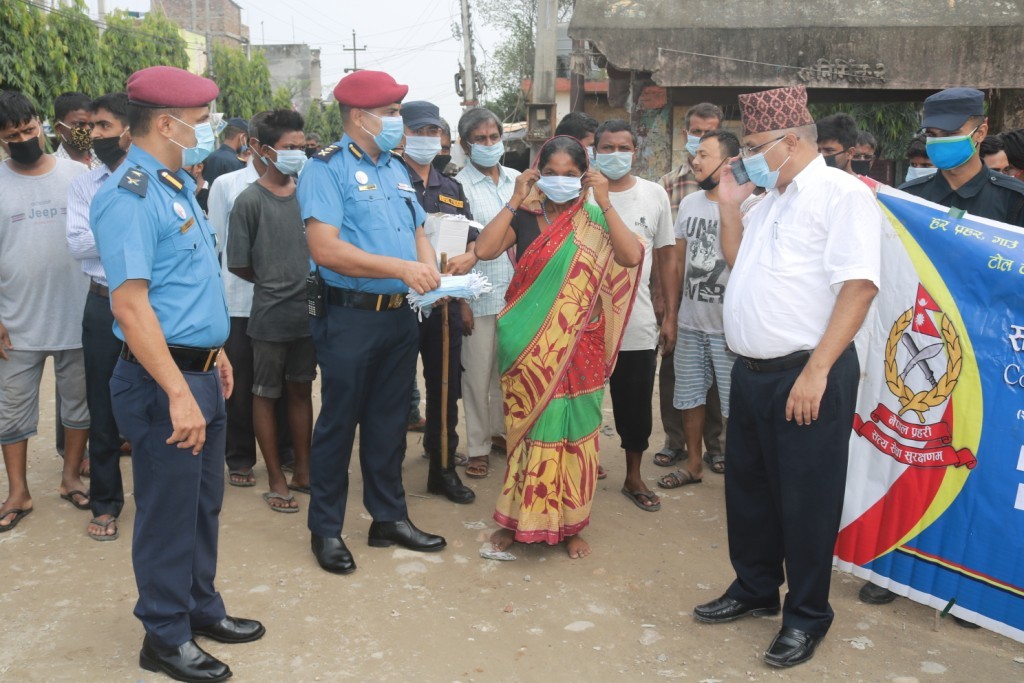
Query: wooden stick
{"x": 445, "y": 344}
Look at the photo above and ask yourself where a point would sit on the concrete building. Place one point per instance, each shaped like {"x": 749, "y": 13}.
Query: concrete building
{"x": 296, "y": 68}
{"x": 224, "y": 23}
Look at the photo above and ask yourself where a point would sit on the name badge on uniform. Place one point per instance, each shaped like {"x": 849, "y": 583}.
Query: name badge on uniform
{"x": 188, "y": 224}
{"x": 364, "y": 188}
{"x": 457, "y": 203}
{"x": 179, "y": 210}
{"x": 362, "y": 178}
{"x": 407, "y": 188}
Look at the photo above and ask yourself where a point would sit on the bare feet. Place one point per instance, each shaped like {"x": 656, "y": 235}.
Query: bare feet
{"x": 502, "y": 539}
{"x": 83, "y": 469}
{"x": 108, "y": 527}
{"x": 577, "y": 547}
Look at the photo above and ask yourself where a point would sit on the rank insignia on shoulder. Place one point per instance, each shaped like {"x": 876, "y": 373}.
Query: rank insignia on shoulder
{"x": 135, "y": 181}
{"x": 457, "y": 203}
{"x": 170, "y": 180}
{"x": 326, "y": 153}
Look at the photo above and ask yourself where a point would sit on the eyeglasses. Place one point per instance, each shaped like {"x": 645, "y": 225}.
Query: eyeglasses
{"x": 939, "y": 133}
{"x": 750, "y": 151}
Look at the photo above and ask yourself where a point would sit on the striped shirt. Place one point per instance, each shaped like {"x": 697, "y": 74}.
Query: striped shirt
{"x": 81, "y": 241}
{"x": 679, "y": 183}
{"x": 93, "y": 163}
{"x": 487, "y": 199}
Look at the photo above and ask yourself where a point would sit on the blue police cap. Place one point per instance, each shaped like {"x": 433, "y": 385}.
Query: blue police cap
{"x": 418, "y": 114}
{"x": 238, "y": 122}
{"x": 949, "y": 109}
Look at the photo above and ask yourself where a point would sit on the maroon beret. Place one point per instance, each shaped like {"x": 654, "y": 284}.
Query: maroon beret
{"x": 167, "y": 86}
{"x": 775, "y": 110}
{"x": 369, "y": 90}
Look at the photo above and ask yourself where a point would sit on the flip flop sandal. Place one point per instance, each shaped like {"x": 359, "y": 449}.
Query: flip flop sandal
{"x": 677, "y": 479}
{"x": 715, "y": 462}
{"x": 248, "y": 482}
{"x": 300, "y": 489}
{"x": 273, "y": 495}
{"x": 70, "y": 497}
{"x": 18, "y": 515}
{"x": 602, "y": 473}
{"x": 104, "y": 536}
{"x": 638, "y": 498}
{"x": 479, "y": 467}
{"x": 668, "y": 458}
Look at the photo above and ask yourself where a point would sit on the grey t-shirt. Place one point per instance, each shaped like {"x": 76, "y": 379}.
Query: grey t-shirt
{"x": 42, "y": 288}
{"x": 266, "y": 233}
{"x": 705, "y": 273}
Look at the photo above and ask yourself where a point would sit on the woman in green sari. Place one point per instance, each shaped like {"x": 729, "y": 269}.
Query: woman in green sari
{"x": 558, "y": 336}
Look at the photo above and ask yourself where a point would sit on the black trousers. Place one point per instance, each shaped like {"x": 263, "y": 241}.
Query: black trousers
{"x": 432, "y": 352}
{"x": 784, "y": 489}
{"x": 101, "y": 348}
{"x": 632, "y": 388}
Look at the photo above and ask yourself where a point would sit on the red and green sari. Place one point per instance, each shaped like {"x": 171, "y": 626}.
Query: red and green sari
{"x": 558, "y": 337}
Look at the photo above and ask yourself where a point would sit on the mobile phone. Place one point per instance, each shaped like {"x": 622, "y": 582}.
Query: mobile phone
{"x": 739, "y": 172}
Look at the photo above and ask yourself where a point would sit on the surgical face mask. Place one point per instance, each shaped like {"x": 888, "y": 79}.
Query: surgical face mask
{"x": 560, "y": 188}
{"x": 951, "y": 152}
{"x": 692, "y": 143}
{"x": 391, "y": 131}
{"x": 25, "y": 153}
{"x": 616, "y": 164}
{"x": 915, "y": 173}
{"x": 757, "y": 168}
{"x": 108, "y": 150}
{"x": 860, "y": 166}
{"x": 710, "y": 182}
{"x": 422, "y": 148}
{"x": 205, "y": 142}
{"x": 591, "y": 154}
{"x": 290, "y": 161}
{"x": 487, "y": 156}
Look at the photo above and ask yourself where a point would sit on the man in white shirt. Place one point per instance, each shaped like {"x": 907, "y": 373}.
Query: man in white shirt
{"x": 805, "y": 268}
{"x": 645, "y": 209}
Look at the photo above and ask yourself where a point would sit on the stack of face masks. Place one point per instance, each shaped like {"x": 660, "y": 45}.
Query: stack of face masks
{"x": 468, "y": 287}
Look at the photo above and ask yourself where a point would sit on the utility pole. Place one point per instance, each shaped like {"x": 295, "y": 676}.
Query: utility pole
{"x": 354, "y": 50}
{"x": 468, "y": 75}
{"x": 577, "y": 77}
{"x": 101, "y": 9}
{"x": 541, "y": 110}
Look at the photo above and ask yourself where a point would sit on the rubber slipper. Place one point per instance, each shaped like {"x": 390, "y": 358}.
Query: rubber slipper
{"x": 300, "y": 489}
{"x": 668, "y": 458}
{"x": 677, "y": 479}
{"x": 18, "y": 515}
{"x": 248, "y": 482}
{"x": 638, "y": 498}
{"x": 70, "y": 497}
{"x": 715, "y": 462}
{"x": 104, "y": 536}
{"x": 602, "y": 473}
{"x": 479, "y": 467}
{"x": 417, "y": 425}
{"x": 272, "y": 495}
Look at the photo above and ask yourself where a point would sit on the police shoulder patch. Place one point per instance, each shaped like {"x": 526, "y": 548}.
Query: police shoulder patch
{"x": 135, "y": 181}
{"x": 326, "y": 153}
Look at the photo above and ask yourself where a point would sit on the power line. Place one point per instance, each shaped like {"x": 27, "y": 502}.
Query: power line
{"x": 98, "y": 23}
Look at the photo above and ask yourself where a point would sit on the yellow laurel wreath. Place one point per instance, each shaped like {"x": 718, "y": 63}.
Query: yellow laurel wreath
{"x": 921, "y": 401}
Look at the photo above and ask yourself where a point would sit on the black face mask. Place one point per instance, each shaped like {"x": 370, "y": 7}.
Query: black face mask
{"x": 311, "y": 152}
{"x": 108, "y": 150}
{"x": 25, "y": 153}
{"x": 830, "y": 160}
{"x": 441, "y": 161}
{"x": 860, "y": 166}
{"x": 710, "y": 183}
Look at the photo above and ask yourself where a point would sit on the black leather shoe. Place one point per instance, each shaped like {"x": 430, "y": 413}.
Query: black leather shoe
{"x": 875, "y": 595}
{"x": 384, "y": 534}
{"x": 447, "y": 483}
{"x": 332, "y": 554}
{"x": 232, "y": 630}
{"x": 727, "y": 609}
{"x": 791, "y": 647}
{"x": 186, "y": 662}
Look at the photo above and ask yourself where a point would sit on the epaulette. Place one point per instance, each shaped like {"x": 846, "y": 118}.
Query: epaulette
{"x": 135, "y": 181}
{"x": 1009, "y": 182}
{"x": 170, "y": 180}
{"x": 917, "y": 181}
{"x": 326, "y": 153}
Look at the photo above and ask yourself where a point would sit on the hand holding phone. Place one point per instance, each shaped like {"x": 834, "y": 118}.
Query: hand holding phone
{"x": 739, "y": 171}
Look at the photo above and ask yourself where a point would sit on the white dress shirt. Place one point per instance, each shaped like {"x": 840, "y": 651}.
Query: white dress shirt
{"x": 223, "y": 192}
{"x": 81, "y": 241}
{"x": 798, "y": 248}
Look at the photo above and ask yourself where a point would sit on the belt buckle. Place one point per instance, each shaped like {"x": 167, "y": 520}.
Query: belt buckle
{"x": 396, "y": 301}
{"x": 751, "y": 365}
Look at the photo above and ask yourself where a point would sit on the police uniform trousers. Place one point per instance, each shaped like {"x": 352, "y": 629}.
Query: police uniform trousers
{"x": 367, "y": 367}
{"x": 784, "y": 488}
{"x": 101, "y": 348}
{"x": 178, "y": 500}
{"x": 432, "y": 352}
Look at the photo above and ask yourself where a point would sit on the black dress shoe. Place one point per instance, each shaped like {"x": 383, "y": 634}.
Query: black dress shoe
{"x": 727, "y": 609}
{"x": 232, "y": 630}
{"x": 875, "y": 595}
{"x": 384, "y": 534}
{"x": 332, "y": 554}
{"x": 186, "y": 662}
{"x": 447, "y": 483}
{"x": 791, "y": 647}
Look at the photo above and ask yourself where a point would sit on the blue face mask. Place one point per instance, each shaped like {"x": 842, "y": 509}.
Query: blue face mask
{"x": 290, "y": 161}
{"x": 205, "y": 141}
{"x": 422, "y": 148}
{"x": 692, "y": 143}
{"x": 757, "y": 168}
{"x": 487, "y": 156}
{"x": 915, "y": 173}
{"x": 391, "y": 132}
{"x": 615, "y": 165}
{"x": 951, "y": 152}
{"x": 560, "y": 188}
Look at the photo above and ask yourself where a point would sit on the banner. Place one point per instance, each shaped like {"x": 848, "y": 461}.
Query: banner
{"x": 934, "y": 506}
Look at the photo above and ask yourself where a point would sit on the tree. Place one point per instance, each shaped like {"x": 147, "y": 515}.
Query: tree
{"x": 282, "y": 99}
{"x": 315, "y": 120}
{"x": 333, "y": 127}
{"x": 128, "y": 44}
{"x": 72, "y": 62}
{"x": 244, "y": 83}
{"x": 20, "y": 59}
{"x": 893, "y": 124}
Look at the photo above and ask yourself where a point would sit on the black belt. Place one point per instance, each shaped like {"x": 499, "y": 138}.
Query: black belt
{"x": 187, "y": 359}
{"x": 349, "y": 298}
{"x": 793, "y": 360}
{"x": 97, "y": 288}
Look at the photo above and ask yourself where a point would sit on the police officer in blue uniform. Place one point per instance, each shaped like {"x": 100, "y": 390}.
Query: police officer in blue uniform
{"x": 365, "y": 236}
{"x": 437, "y": 193}
{"x": 169, "y": 384}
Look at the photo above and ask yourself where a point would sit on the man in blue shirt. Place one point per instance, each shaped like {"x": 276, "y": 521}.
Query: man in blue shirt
{"x": 364, "y": 227}
{"x": 169, "y": 385}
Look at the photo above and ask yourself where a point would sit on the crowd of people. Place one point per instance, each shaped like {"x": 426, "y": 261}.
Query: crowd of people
{"x": 188, "y": 296}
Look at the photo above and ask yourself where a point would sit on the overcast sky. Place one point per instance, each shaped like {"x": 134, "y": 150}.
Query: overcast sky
{"x": 410, "y": 39}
